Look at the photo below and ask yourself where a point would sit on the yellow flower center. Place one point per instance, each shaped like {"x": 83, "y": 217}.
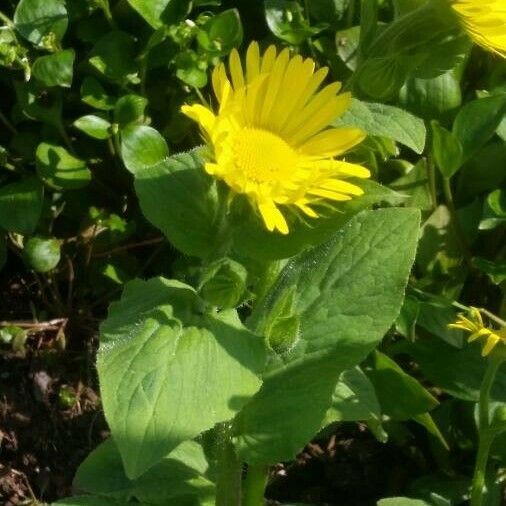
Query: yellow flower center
{"x": 262, "y": 156}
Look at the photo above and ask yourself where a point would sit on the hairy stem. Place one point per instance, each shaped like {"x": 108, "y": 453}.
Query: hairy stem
{"x": 459, "y": 232}
{"x": 254, "y": 486}
{"x": 485, "y": 435}
{"x": 229, "y": 472}
{"x": 431, "y": 176}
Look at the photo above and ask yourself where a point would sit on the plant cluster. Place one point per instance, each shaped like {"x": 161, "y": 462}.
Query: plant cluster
{"x": 295, "y": 212}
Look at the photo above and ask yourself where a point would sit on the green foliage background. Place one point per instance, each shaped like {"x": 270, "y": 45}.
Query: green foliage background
{"x": 100, "y": 184}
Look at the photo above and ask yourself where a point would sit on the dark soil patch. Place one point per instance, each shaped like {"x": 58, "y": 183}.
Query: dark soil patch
{"x": 50, "y": 419}
{"x": 349, "y": 467}
{"x": 50, "y": 412}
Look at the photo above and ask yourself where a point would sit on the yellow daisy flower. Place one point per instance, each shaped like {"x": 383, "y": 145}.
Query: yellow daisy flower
{"x": 485, "y": 22}
{"x": 474, "y": 323}
{"x": 270, "y": 139}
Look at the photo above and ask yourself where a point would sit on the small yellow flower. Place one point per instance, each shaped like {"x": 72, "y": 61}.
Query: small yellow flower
{"x": 474, "y": 323}
{"x": 270, "y": 139}
{"x": 485, "y": 22}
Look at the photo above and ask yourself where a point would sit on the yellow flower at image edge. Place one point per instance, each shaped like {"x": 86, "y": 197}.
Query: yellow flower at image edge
{"x": 270, "y": 138}
{"x": 473, "y": 323}
{"x": 484, "y": 21}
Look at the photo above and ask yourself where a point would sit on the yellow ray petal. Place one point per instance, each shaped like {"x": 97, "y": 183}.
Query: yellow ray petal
{"x": 341, "y": 187}
{"x": 268, "y": 59}
{"x": 302, "y": 205}
{"x": 236, "y": 70}
{"x": 316, "y": 107}
{"x": 274, "y": 84}
{"x": 317, "y": 119}
{"x": 333, "y": 142}
{"x": 339, "y": 168}
{"x": 311, "y": 87}
{"x": 300, "y": 72}
{"x": 252, "y": 62}
{"x": 478, "y": 334}
{"x": 219, "y": 78}
{"x": 202, "y": 115}
{"x": 328, "y": 194}
{"x": 273, "y": 218}
{"x": 492, "y": 340}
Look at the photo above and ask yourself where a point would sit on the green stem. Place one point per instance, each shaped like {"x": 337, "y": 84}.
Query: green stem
{"x": 269, "y": 275}
{"x": 66, "y": 138}
{"x": 6, "y": 20}
{"x": 116, "y": 140}
{"x": 350, "y": 15}
{"x": 7, "y": 123}
{"x": 107, "y": 13}
{"x": 431, "y": 176}
{"x": 229, "y": 469}
{"x": 254, "y": 486}
{"x": 459, "y": 232}
{"x": 485, "y": 435}
{"x": 492, "y": 316}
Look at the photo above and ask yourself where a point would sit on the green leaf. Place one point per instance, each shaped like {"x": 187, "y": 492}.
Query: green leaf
{"x": 224, "y": 283}
{"x": 55, "y": 69}
{"x": 180, "y": 199}
{"x": 408, "y": 317}
{"x": 426, "y": 420}
{"x": 40, "y": 104}
{"x": 435, "y": 316}
{"x": 398, "y": 52}
{"x": 286, "y": 21}
{"x": 401, "y": 396}
{"x": 42, "y": 255}
{"x": 36, "y": 20}
{"x": 191, "y": 69}
{"x": 141, "y": 147}
{"x": 458, "y": 371}
{"x": 130, "y": 109}
{"x": 386, "y": 121}
{"x": 21, "y": 205}
{"x": 347, "y": 292}
{"x": 402, "y": 501}
{"x": 221, "y": 33}
{"x": 179, "y": 475}
{"x": 496, "y": 271}
{"x": 91, "y": 500}
{"x": 114, "y": 56}
{"x": 439, "y": 250}
{"x": 494, "y": 210}
{"x": 347, "y": 42}
{"x": 405, "y": 6}
{"x": 436, "y": 97}
{"x": 328, "y": 11}
{"x": 160, "y": 12}
{"x": 58, "y": 168}
{"x": 253, "y": 240}
{"x": 447, "y": 150}
{"x": 415, "y": 186}
{"x": 368, "y": 24}
{"x": 93, "y": 93}
{"x": 354, "y": 399}
{"x": 477, "y": 121}
{"x": 497, "y": 202}
{"x": 186, "y": 371}
{"x": 94, "y": 126}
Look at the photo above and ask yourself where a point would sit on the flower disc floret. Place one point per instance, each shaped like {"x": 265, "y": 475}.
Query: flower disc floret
{"x": 270, "y": 138}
